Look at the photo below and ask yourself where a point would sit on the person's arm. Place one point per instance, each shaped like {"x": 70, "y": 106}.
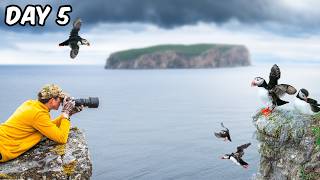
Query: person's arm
{"x": 45, "y": 126}
{"x": 57, "y": 120}
{"x": 76, "y": 109}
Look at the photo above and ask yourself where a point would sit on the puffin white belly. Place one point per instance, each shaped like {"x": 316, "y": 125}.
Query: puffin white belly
{"x": 234, "y": 160}
{"x": 302, "y": 106}
{"x": 264, "y": 96}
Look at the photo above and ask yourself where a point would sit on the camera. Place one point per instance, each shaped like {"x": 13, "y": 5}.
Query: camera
{"x": 91, "y": 102}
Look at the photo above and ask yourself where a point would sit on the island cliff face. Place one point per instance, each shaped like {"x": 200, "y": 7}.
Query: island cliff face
{"x": 175, "y": 58}
{"x": 288, "y": 148}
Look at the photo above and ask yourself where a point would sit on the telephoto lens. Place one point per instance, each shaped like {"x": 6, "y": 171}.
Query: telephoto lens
{"x": 91, "y": 102}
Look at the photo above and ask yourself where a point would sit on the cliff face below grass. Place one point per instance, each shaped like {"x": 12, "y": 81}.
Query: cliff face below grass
{"x": 180, "y": 56}
{"x": 48, "y": 160}
{"x": 288, "y": 145}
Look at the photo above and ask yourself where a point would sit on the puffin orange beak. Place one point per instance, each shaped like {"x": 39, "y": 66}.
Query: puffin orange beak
{"x": 253, "y": 84}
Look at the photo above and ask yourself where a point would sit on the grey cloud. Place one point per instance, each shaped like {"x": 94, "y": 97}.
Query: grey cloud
{"x": 175, "y": 13}
{"x": 171, "y": 13}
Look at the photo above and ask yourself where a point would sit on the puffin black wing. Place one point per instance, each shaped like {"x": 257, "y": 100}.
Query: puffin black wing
{"x": 278, "y": 91}
{"x": 222, "y": 134}
{"x": 242, "y": 162}
{"x": 276, "y": 101}
{"x": 314, "y": 105}
{"x": 281, "y": 89}
{"x": 65, "y": 43}
{"x": 312, "y": 101}
{"x": 219, "y": 135}
{"x": 242, "y": 147}
{"x": 229, "y": 138}
{"x": 274, "y": 76}
{"x": 315, "y": 108}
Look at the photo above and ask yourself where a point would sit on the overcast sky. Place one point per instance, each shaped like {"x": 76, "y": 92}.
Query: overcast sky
{"x": 273, "y": 30}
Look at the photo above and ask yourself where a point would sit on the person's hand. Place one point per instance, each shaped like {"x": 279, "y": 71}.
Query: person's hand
{"x": 76, "y": 109}
{"x": 67, "y": 107}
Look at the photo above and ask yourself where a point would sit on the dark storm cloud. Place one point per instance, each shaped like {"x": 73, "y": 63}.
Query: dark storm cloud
{"x": 169, "y": 13}
{"x": 164, "y": 13}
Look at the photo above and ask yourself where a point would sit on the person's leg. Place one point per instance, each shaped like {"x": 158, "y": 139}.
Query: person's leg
{"x": 0, "y": 156}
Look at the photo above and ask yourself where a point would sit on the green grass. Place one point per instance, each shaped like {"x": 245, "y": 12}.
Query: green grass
{"x": 316, "y": 132}
{"x": 316, "y": 129}
{"x": 188, "y": 50}
{"x": 308, "y": 176}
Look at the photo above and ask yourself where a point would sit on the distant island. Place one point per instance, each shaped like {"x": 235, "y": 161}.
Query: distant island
{"x": 180, "y": 56}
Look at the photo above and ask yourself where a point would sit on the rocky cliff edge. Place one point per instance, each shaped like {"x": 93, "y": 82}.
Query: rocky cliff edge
{"x": 48, "y": 160}
{"x": 288, "y": 148}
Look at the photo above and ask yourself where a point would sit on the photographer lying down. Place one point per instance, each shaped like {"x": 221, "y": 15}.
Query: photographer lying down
{"x": 31, "y": 121}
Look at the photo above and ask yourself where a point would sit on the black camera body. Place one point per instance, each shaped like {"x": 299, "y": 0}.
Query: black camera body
{"x": 91, "y": 102}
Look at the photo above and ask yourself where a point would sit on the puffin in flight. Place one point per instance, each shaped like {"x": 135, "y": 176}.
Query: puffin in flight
{"x": 272, "y": 91}
{"x": 237, "y": 156}
{"x": 74, "y": 39}
{"x": 304, "y": 104}
{"x": 224, "y": 133}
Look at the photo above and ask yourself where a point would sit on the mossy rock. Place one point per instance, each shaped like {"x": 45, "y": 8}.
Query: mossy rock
{"x": 5, "y": 176}
{"x": 69, "y": 168}
{"x": 52, "y": 161}
{"x": 309, "y": 175}
{"x": 287, "y": 142}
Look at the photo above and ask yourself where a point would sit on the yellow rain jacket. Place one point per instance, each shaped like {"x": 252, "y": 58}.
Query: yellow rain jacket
{"x": 26, "y": 127}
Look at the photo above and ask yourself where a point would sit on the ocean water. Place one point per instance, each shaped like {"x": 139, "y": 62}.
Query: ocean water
{"x": 159, "y": 124}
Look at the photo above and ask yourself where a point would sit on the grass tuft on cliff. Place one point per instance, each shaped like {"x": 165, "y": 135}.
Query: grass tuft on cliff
{"x": 316, "y": 129}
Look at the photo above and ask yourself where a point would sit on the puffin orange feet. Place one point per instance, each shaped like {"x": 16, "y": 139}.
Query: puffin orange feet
{"x": 266, "y": 112}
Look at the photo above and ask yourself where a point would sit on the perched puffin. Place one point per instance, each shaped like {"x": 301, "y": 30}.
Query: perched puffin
{"x": 224, "y": 133}
{"x": 270, "y": 93}
{"x": 74, "y": 39}
{"x": 304, "y": 104}
{"x": 236, "y": 157}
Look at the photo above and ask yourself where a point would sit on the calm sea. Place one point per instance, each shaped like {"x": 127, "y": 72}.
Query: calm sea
{"x": 159, "y": 124}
